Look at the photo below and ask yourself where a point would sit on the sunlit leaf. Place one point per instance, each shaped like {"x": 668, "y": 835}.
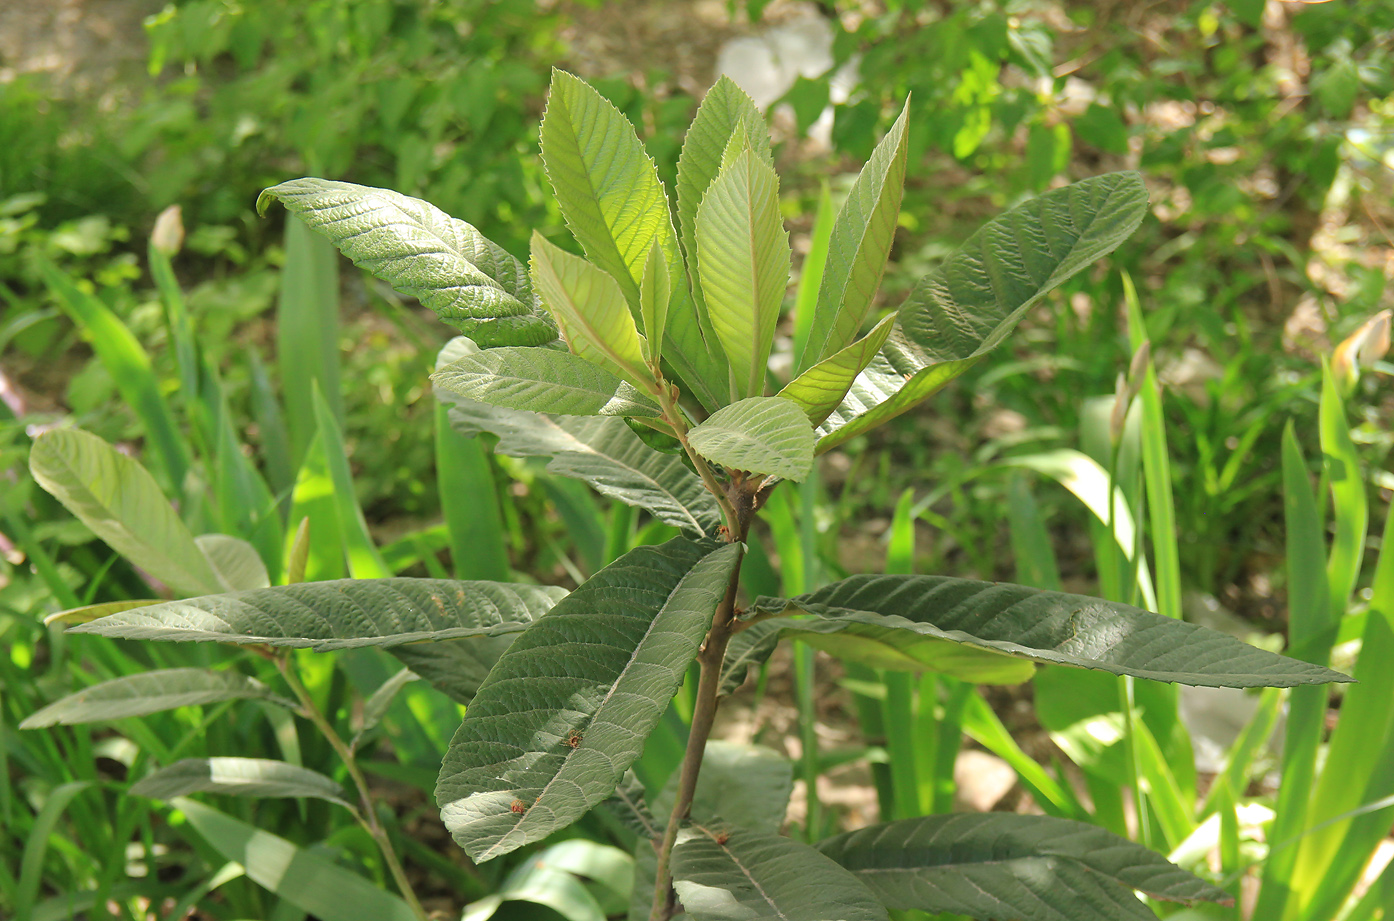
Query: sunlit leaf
{"x": 822, "y": 388}
{"x": 237, "y": 777}
{"x": 760, "y": 434}
{"x": 542, "y": 381}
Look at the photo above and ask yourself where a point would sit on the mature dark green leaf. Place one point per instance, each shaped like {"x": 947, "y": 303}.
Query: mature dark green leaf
{"x": 860, "y": 244}
{"x": 1045, "y": 626}
{"x": 612, "y": 199}
{"x": 341, "y": 614}
{"x": 237, "y": 777}
{"x": 967, "y": 306}
{"x": 995, "y": 865}
{"x": 471, "y": 283}
{"x": 456, "y": 668}
{"x": 566, "y": 710}
{"x": 600, "y": 451}
{"x": 542, "y": 381}
{"x": 753, "y": 875}
{"x": 149, "y": 692}
{"x": 748, "y": 650}
{"x": 312, "y": 883}
{"x": 760, "y": 434}
{"x": 743, "y": 262}
{"x": 629, "y": 805}
{"x": 376, "y": 706}
{"x": 123, "y": 505}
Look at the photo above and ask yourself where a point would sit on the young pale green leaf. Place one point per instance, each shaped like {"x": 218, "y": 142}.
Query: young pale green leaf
{"x": 822, "y": 388}
{"x": 655, "y": 292}
{"x": 1044, "y": 626}
{"x": 114, "y": 496}
{"x": 967, "y": 306}
{"x": 566, "y": 710}
{"x": 237, "y": 777}
{"x": 542, "y": 381}
{"x": 743, "y": 262}
{"x": 753, "y": 875}
{"x": 602, "y": 452}
{"x": 471, "y": 283}
{"x": 725, "y": 111}
{"x": 341, "y": 614}
{"x": 149, "y": 692}
{"x": 612, "y": 199}
{"x": 760, "y": 434}
{"x": 590, "y": 309}
{"x": 312, "y": 883}
{"x": 996, "y": 865}
{"x": 236, "y": 562}
{"x": 860, "y": 244}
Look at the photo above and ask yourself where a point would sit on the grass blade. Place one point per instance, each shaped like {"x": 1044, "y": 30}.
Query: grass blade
{"x": 470, "y": 502}
{"x": 307, "y": 333}
{"x": 364, "y": 560}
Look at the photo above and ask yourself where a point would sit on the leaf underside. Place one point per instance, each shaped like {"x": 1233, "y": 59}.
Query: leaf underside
{"x": 149, "y": 692}
{"x": 237, "y": 777}
{"x": 566, "y": 710}
{"x": 1043, "y": 626}
{"x": 761, "y": 434}
{"x": 542, "y": 380}
{"x": 1036, "y": 868}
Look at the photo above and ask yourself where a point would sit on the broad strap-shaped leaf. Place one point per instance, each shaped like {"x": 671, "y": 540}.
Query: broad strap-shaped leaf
{"x": 860, "y": 244}
{"x": 743, "y": 262}
{"x": 310, "y": 882}
{"x": 150, "y": 692}
{"x": 967, "y": 306}
{"x": 341, "y": 614}
{"x": 114, "y": 496}
{"x": 237, "y": 777}
{"x": 542, "y": 380}
{"x": 748, "y": 650}
{"x": 1045, "y": 626}
{"x": 236, "y": 563}
{"x": 471, "y": 283}
{"x": 997, "y": 865}
{"x": 611, "y": 197}
{"x": 590, "y": 309}
{"x": 822, "y": 388}
{"x": 753, "y": 875}
{"x": 567, "y": 709}
{"x": 725, "y": 111}
{"x": 760, "y": 434}
{"x": 603, "y": 452}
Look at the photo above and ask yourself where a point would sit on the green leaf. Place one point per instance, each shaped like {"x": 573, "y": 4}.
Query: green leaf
{"x": 725, "y": 111}
{"x": 237, "y": 777}
{"x": 610, "y": 194}
{"x": 471, "y": 283}
{"x": 860, "y": 244}
{"x": 823, "y": 387}
{"x": 655, "y": 293}
{"x": 600, "y": 451}
{"x": 629, "y": 805}
{"x": 753, "y": 875}
{"x": 748, "y": 650}
{"x": 236, "y": 562}
{"x": 92, "y": 611}
{"x": 568, "y": 707}
{"x": 458, "y": 667}
{"x": 376, "y": 706}
{"x": 968, "y": 305}
{"x": 590, "y": 309}
{"x": 880, "y": 646}
{"x": 364, "y": 559}
{"x": 554, "y": 878}
{"x": 743, "y": 262}
{"x": 114, "y": 496}
{"x": 542, "y": 381}
{"x": 149, "y": 692}
{"x": 1036, "y": 868}
{"x": 341, "y": 614}
{"x": 760, "y": 434}
{"x": 312, "y": 883}
{"x": 1045, "y": 626}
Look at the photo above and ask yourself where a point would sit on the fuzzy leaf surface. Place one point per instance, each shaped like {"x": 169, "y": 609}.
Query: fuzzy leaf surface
{"x": 123, "y": 505}
{"x": 542, "y": 381}
{"x": 995, "y": 865}
{"x": 149, "y": 692}
{"x": 599, "y": 670}
{"x": 237, "y": 777}
{"x": 760, "y": 434}
{"x": 341, "y": 614}
{"x": 755, "y": 875}
{"x": 470, "y": 282}
{"x": 860, "y": 245}
{"x": 822, "y": 388}
{"x": 613, "y": 201}
{"x": 968, "y": 306}
{"x": 743, "y": 261}
{"x": 1044, "y": 626}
